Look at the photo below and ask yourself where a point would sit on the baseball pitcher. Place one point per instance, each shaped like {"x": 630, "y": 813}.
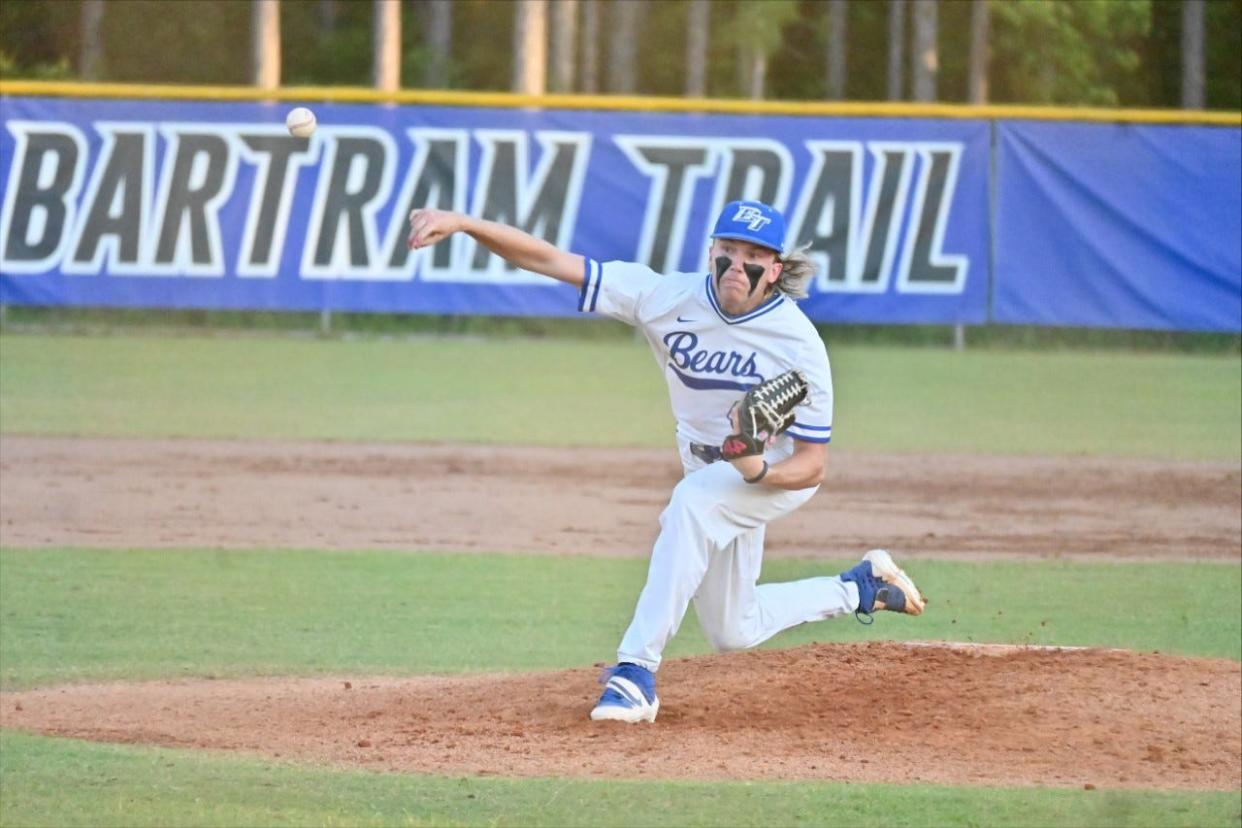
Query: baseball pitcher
{"x": 751, "y": 390}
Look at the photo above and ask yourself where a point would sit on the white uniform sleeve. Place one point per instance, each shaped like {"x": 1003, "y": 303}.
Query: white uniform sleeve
{"x": 813, "y": 419}
{"x": 617, "y": 289}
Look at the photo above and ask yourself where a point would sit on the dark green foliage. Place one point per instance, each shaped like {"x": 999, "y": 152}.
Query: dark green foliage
{"x": 798, "y": 69}
{"x": 1223, "y": 24}
{"x": 190, "y": 41}
{"x": 1076, "y": 52}
{"x": 953, "y": 42}
{"x": 482, "y": 46}
{"x": 1070, "y": 52}
{"x": 37, "y": 39}
{"x": 312, "y": 49}
{"x": 1162, "y": 54}
{"x": 662, "y": 49}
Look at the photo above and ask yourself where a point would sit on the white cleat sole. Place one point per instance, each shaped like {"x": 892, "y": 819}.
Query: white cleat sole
{"x": 883, "y": 567}
{"x": 630, "y": 715}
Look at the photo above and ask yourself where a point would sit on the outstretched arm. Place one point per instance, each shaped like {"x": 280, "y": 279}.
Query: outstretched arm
{"x": 522, "y": 249}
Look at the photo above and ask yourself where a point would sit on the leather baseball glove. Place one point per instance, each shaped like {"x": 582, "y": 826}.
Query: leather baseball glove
{"x": 765, "y": 411}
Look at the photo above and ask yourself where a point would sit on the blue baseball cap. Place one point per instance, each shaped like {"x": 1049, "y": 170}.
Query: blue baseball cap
{"x": 754, "y": 222}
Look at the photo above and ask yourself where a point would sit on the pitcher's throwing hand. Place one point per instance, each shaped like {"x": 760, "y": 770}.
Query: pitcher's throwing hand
{"x": 429, "y": 226}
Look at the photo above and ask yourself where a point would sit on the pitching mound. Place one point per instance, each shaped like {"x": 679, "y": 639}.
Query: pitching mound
{"x": 860, "y": 712}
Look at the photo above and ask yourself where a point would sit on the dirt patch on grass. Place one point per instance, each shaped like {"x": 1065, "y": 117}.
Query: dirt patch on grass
{"x": 191, "y": 493}
{"x": 874, "y": 712}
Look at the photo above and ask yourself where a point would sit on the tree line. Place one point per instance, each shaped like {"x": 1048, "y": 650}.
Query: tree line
{"x": 1129, "y": 53}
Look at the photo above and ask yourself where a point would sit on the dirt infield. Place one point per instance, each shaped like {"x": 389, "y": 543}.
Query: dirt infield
{"x": 863, "y": 712}
{"x": 189, "y": 493}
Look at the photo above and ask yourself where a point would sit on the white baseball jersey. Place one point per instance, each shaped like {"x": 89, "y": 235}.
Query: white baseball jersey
{"x": 710, "y": 546}
{"x": 710, "y": 359}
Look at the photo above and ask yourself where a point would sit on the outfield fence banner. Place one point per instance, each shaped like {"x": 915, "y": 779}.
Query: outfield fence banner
{"x": 214, "y": 205}
{"x": 1123, "y": 225}
{"x": 197, "y": 204}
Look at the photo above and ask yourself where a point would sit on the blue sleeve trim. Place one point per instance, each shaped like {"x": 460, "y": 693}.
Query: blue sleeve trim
{"x": 810, "y": 433}
{"x": 588, "y": 295}
{"x": 599, "y": 278}
{"x": 586, "y": 283}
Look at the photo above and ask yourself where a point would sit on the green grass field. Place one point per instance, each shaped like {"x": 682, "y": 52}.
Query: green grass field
{"x": 69, "y": 615}
{"x": 61, "y": 782}
{"x": 887, "y": 399}
{"x": 85, "y": 615}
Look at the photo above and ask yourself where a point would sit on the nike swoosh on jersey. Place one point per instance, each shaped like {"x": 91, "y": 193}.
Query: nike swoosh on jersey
{"x": 684, "y": 319}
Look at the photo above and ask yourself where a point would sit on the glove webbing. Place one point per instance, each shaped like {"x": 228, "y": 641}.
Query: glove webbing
{"x": 776, "y": 401}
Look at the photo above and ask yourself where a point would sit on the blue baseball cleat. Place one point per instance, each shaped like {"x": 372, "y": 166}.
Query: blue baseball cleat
{"x": 882, "y": 585}
{"x": 629, "y": 696}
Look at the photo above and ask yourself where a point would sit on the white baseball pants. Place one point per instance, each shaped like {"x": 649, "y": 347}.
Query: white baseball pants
{"x": 710, "y": 549}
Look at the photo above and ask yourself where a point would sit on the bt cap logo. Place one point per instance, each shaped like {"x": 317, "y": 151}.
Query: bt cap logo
{"x": 751, "y": 221}
{"x": 752, "y": 217}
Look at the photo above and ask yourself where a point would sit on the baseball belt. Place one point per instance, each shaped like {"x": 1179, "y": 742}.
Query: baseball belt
{"x": 706, "y": 453}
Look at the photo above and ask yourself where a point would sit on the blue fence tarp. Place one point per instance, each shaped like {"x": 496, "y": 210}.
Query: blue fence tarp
{"x": 1119, "y": 226}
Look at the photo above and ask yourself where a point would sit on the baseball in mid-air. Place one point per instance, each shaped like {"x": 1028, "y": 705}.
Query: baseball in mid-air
{"x": 301, "y": 122}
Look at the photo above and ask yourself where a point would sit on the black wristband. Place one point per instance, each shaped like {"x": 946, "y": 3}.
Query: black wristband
{"x": 758, "y": 476}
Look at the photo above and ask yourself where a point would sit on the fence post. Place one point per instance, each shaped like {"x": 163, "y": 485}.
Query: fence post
{"x": 265, "y": 43}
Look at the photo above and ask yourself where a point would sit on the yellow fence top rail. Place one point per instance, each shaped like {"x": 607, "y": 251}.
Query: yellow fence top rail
{"x": 340, "y": 94}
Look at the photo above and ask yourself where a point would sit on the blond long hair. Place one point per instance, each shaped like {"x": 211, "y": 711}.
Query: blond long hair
{"x": 796, "y": 273}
